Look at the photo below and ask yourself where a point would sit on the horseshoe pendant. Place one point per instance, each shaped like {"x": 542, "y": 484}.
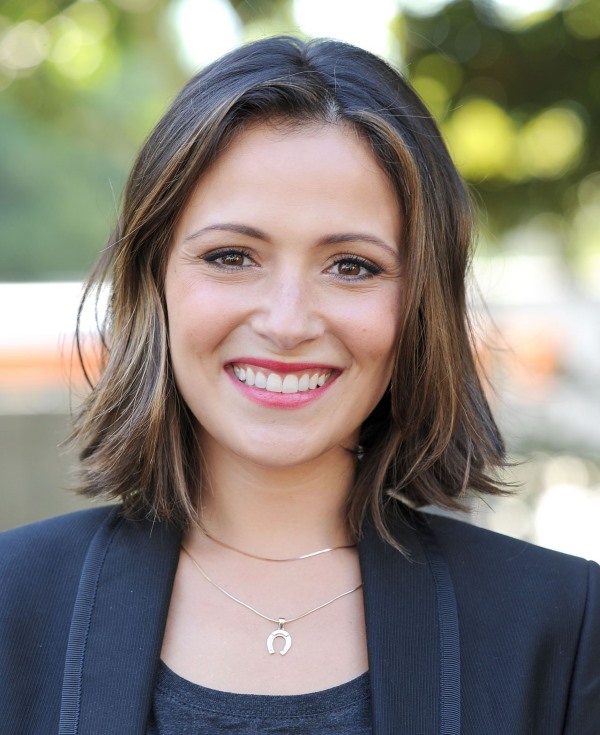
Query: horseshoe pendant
{"x": 280, "y": 633}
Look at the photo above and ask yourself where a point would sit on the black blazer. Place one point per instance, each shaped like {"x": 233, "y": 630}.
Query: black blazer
{"x": 474, "y": 633}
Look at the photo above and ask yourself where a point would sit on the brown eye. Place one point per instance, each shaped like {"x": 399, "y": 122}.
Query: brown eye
{"x": 349, "y": 269}
{"x": 233, "y": 259}
{"x": 228, "y": 259}
{"x": 352, "y": 268}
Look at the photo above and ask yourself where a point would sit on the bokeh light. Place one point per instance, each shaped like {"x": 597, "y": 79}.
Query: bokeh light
{"x": 583, "y": 19}
{"x": 369, "y": 27}
{"x": 24, "y": 46}
{"x": 551, "y": 143}
{"x": 521, "y": 14}
{"x": 205, "y": 30}
{"x": 481, "y": 137}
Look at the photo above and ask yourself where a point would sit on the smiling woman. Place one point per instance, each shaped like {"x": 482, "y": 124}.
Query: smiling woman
{"x": 287, "y": 376}
{"x": 327, "y": 138}
{"x": 281, "y": 290}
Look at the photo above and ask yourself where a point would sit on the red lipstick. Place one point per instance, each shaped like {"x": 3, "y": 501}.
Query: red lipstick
{"x": 281, "y": 399}
{"x": 275, "y": 366}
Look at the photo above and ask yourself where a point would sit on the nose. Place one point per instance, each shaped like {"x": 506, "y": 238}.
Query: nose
{"x": 287, "y": 313}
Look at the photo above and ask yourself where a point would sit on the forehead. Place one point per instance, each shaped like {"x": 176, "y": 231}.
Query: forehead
{"x": 289, "y": 142}
{"x": 283, "y": 173}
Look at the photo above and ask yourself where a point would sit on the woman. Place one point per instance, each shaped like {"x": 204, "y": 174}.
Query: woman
{"x": 287, "y": 375}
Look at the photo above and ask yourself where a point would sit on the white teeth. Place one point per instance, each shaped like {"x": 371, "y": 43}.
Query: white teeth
{"x": 290, "y": 384}
{"x": 274, "y": 383}
{"x": 303, "y": 382}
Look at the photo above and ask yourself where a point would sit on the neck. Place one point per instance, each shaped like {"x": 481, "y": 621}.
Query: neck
{"x": 277, "y": 511}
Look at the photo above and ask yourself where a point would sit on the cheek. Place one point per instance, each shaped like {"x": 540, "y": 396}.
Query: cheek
{"x": 199, "y": 319}
{"x": 373, "y": 326}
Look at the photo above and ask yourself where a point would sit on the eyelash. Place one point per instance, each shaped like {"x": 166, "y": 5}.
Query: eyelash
{"x": 372, "y": 269}
{"x": 214, "y": 256}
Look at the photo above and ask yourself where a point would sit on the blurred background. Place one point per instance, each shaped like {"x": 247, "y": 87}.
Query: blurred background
{"x": 515, "y": 87}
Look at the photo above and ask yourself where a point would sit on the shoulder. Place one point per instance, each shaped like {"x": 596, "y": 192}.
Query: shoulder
{"x": 515, "y": 584}
{"x": 60, "y": 534}
{"x": 43, "y": 551}
{"x": 521, "y": 619}
{"x": 40, "y": 568}
{"x": 479, "y": 551}
{"x": 41, "y": 564}
{"x": 503, "y": 580}
{"x": 531, "y": 614}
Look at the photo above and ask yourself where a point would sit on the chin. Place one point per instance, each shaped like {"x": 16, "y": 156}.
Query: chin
{"x": 289, "y": 458}
{"x": 279, "y": 459}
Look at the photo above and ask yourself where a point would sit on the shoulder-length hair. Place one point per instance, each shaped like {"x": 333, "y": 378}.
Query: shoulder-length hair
{"x": 432, "y": 438}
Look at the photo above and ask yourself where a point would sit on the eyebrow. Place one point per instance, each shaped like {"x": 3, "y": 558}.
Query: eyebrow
{"x": 230, "y": 227}
{"x": 357, "y": 237}
{"x": 254, "y": 232}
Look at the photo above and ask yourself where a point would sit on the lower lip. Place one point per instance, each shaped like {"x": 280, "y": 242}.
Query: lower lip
{"x": 281, "y": 400}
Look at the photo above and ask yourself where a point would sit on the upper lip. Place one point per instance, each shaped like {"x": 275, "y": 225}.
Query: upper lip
{"x": 276, "y": 366}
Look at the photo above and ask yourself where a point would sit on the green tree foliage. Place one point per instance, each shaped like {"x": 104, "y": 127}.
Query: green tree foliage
{"x": 518, "y": 100}
{"x": 82, "y": 82}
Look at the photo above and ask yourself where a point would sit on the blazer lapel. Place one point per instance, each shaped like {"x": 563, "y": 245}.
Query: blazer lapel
{"x": 120, "y": 614}
{"x": 117, "y": 628}
{"x": 402, "y": 632}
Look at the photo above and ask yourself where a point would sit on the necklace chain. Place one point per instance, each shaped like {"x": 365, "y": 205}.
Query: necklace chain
{"x": 280, "y": 632}
{"x": 267, "y": 558}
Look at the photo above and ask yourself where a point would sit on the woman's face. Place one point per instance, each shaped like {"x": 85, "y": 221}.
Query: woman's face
{"x": 283, "y": 292}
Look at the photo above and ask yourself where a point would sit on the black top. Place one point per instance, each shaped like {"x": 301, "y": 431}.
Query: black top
{"x": 180, "y": 707}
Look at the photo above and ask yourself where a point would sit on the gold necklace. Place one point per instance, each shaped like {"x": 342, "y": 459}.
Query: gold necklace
{"x": 280, "y": 632}
{"x": 268, "y": 558}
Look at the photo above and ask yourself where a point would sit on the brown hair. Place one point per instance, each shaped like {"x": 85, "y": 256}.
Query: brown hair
{"x": 432, "y": 436}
